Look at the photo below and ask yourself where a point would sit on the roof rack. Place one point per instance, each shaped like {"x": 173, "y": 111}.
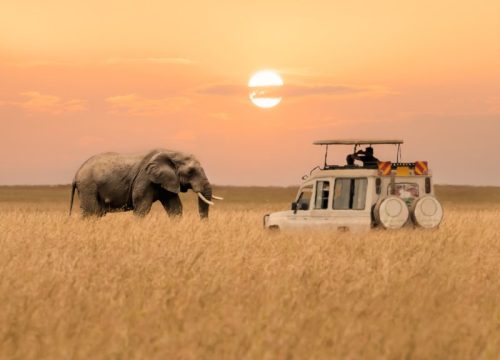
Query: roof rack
{"x": 358, "y": 142}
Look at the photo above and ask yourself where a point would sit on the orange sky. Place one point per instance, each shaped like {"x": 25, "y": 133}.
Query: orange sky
{"x": 81, "y": 78}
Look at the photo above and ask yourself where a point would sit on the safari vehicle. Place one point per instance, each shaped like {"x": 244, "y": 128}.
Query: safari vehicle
{"x": 358, "y": 197}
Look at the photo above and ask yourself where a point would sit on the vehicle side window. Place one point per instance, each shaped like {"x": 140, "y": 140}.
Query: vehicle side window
{"x": 304, "y": 198}
{"x": 350, "y": 193}
{"x": 322, "y": 194}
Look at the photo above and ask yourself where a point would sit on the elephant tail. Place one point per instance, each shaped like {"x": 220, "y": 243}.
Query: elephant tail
{"x": 73, "y": 187}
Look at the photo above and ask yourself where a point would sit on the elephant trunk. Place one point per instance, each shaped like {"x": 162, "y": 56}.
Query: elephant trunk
{"x": 202, "y": 205}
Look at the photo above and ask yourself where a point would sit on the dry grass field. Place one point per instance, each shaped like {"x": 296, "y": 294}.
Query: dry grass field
{"x": 160, "y": 288}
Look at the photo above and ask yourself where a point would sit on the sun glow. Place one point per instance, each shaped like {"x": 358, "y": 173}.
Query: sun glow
{"x": 262, "y": 86}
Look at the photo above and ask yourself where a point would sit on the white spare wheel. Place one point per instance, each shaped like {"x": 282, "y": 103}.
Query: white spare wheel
{"x": 391, "y": 212}
{"x": 427, "y": 212}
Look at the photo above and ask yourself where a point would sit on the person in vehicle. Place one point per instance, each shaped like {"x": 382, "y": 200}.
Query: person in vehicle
{"x": 366, "y": 157}
{"x": 350, "y": 160}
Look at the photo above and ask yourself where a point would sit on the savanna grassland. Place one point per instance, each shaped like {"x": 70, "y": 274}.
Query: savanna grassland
{"x": 160, "y": 288}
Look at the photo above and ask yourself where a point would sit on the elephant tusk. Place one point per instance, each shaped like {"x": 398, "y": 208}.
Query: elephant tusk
{"x": 200, "y": 195}
{"x": 217, "y": 197}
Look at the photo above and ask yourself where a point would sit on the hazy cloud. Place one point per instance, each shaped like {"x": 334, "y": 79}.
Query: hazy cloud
{"x": 302, "y": 90}
{"x": 288, "y": 90}
{"x": 117, "y": 60}
{"x": 136, "y": 105}
{"x": 152, "y": 60}
{"x": 39, "y": 63}
{"x": 224, "y": 90}
{"x": 220, "y": 116}
{"x": 298, "y": 71}
{"x": 38, "y": 102}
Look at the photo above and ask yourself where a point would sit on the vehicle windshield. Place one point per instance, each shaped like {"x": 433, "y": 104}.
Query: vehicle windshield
{"x": 304, "y": 198}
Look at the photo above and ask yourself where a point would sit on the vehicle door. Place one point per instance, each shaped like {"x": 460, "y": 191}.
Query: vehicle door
{"x": 301, "y": 217}
{"x": 321, "y": 213}
{"x": 351, "y": 203}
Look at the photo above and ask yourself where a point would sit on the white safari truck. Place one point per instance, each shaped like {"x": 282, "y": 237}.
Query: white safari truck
{"x": 362, "y": 196}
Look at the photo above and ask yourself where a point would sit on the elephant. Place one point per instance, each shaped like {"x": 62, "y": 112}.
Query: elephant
{"x": 111, "y": 182}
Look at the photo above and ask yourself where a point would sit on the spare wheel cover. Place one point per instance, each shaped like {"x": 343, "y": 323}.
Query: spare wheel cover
{"x": 391, "y": 212}
{"x": 427, "y": 212}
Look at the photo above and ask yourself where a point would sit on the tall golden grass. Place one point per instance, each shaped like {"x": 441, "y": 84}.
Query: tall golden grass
{"x": 160, "y": 288}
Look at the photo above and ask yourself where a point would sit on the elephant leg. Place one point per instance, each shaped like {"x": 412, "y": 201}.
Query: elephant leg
{"x": 90, "y": 204}
{"x": 143, "y": 200}
{"x": 171, "y": 203}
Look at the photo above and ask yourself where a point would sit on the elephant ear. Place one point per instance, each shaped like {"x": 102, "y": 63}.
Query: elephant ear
{"x": 161, "y": 170}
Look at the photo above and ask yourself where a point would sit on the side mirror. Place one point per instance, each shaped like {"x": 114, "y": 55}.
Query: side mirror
{"x": 294, "y": 206}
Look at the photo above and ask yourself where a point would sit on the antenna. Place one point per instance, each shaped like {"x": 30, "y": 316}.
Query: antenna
{"x": 326, "y": 154}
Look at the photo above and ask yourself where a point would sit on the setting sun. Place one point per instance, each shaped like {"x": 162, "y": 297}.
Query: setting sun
{"x": 261, "y": 85}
